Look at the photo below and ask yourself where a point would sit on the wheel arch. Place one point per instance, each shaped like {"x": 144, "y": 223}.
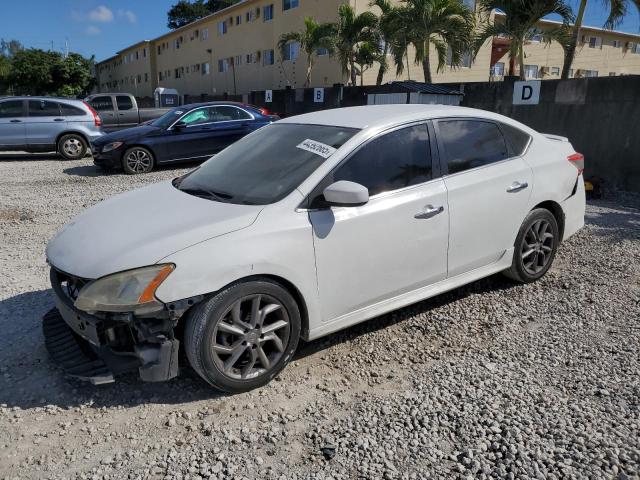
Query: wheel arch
{"x": 556, "y": 210}
{"x": 140, "y": 145}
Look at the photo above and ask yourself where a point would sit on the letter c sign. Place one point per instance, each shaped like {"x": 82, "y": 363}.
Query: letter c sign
{"x": 526, "y": 93}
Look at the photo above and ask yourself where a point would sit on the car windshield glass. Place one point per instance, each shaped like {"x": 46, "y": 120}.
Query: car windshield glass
{"x": 267, "y": 165}
{"x": 166, "y": 120}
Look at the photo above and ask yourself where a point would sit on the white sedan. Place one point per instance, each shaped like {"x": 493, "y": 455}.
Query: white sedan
{"x": 305, "y": 227}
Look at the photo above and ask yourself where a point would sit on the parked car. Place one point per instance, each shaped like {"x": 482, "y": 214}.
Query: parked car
{"x": 120, "y": 110}
{"x": 188, "y": 133}
{"x": 46, "y": 124}
{"x": 302, "y": 228}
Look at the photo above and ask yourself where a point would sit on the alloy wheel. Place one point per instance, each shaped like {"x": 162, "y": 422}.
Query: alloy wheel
{"x": 537, "y": 247}
{"x": 251, "y": 337}
{"x": 138, "y": 161}
{"x": 72, "y": 147}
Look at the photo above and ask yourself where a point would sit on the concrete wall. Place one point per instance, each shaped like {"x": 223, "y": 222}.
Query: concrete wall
{"x": 600, "y": 116}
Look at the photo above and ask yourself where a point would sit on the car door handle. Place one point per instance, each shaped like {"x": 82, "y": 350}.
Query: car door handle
{"x": 58, "y": 119}
{"x": 517, "y": 186}
{"x": 15, "y": 121}
{"x": 429, "y": 211}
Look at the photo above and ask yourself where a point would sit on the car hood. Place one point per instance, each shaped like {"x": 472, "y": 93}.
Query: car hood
{"x": 126, "y": 134}
{"x": 141, "y": 227}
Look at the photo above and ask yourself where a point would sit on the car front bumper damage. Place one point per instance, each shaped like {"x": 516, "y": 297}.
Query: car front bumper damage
{"x": 97, "y": 347}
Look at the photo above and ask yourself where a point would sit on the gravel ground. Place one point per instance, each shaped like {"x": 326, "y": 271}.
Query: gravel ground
{"x": 493, "y": 380}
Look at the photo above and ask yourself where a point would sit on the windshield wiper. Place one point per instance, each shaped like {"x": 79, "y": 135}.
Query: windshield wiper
{"x": 204, "y": 193}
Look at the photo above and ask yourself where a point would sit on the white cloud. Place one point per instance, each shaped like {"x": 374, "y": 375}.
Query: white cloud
{"x": 101, "y": 14}
{"x": 92, "y": 30}
{"x": 128, "y": 15}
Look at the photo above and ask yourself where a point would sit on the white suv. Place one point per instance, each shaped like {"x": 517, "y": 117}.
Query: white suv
{"x": 305, "y": 227}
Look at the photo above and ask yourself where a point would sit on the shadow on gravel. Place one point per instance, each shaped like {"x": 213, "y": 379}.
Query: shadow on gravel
{"x": 29, "y": 379}
{"x": 94, "y": 171}
{"x": 21, "y": 157}
{"x": 618, "y": 223}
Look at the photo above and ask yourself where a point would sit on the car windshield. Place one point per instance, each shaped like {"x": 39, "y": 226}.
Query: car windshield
{"x": 265, "y": 166}
{"x": 166, "y": 120}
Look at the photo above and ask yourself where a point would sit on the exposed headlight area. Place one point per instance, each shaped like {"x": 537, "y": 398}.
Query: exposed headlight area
{"x": 130, "y": 291}
{"x": 111, "y": 146}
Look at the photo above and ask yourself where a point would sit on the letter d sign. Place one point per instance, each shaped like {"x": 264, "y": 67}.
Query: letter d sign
{"x": 526, "y": 93}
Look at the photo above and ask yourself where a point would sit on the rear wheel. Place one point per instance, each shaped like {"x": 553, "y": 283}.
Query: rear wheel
{"x": 72, "y": 146}
{"x": 137, "y": 160}
{"x": 535, "y": 246}
{"x": 244, "y": 336}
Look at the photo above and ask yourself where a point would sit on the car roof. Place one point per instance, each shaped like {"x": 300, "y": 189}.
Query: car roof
{"x": 382, "y": 116}
{"x": 57, "y": 99}
{"x": 206, "y": 104}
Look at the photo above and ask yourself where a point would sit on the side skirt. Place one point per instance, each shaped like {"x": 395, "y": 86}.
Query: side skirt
{"x": 415, "y": 296}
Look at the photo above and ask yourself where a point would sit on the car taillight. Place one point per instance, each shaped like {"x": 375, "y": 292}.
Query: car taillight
{"x": 577, "y": 160}
{"x": 264, "y": 111}
{"x": 96, "y": 117}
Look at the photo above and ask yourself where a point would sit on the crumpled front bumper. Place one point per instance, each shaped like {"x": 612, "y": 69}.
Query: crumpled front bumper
{"x": 95, "y": 349}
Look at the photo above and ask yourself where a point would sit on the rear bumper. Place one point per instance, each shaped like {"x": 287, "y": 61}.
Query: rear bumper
{"x": 95, "y": 349}
{"x": 574, "y": 210}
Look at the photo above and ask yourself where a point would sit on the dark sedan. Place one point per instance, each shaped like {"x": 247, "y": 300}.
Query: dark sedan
{"x": 187, "y": 133}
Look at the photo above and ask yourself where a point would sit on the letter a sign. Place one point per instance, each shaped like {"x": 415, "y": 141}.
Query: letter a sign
{"x": 526, "y": 93}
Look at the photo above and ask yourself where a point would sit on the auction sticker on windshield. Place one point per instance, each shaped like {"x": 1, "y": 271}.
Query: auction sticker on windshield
{"x": 318, "y": 148}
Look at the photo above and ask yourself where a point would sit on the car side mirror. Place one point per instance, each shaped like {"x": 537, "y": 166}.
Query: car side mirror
{"x": 346, "y": 194}
{"x": 179, "y": 126}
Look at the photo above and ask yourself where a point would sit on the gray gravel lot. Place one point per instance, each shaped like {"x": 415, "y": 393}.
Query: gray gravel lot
{"x": 493, "y": 380}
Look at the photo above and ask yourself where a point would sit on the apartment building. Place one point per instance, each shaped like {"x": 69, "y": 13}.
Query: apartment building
{"x": 234, "y": 51}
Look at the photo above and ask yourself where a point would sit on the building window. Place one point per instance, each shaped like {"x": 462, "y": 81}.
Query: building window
{"x": 206, "y": 68}
{"x": 612, "y": 74}
{"x": 267, "y": 57}
{"x": 238, "y": 19}
{"x": 238, "y": 60}
{"x": 635, "y": 48}
{"x": 291, "y": 51}
{"x": 205, "y": 34}
{"x": 498, "y": 70}
{"x": 322, "y": 52}
{"x": 590, "y": 73}
{"x": 594, "y": 42}
{"x": 223, "y": 65}
{"x": 251, "y": 15}
{"x": 289, "y": 4}
{"x": 616, "y": 44}
{"x": 531, "y": 71}
{"x": 555, "y": 71}
{"x": 268, "y": 12}
{"x": 465, "y": 61}
{"x": 146, "y": 77}
{"x": 139, "y": 78}
{"x": 222, "y": 28}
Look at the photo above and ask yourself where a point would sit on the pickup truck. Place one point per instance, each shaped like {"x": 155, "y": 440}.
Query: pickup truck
{"x": 120, "y": 110}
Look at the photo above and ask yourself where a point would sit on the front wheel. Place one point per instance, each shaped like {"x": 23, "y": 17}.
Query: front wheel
{"x": 244, "y": 336}
{"x": 137, "y": 160}
{"x": 535, "y": 246}
{"x": 72, "y": 146}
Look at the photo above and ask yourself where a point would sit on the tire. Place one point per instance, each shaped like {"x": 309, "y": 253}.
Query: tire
{"x": 137, "y": 160}
{"x": 535, "y": 247}
{"x": 72, "y": 146}
{"x": 233, "y": 352}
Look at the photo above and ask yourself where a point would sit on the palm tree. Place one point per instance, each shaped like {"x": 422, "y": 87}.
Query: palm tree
{"x": 351, "y": 30}
{"x": 618, "y": 9}
{"x": 521, "y": 18}
{"x": 388, "y": 30}
{"x": 367, "y": 53}
{"x": 313, "y": 37}
{"x": 447, "y": 25}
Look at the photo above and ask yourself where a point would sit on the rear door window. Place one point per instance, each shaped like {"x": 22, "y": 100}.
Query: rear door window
{"x": 43, "y": 108}
{"x": 124, "y": 102}
{"x": 226, "y": 113}
{"x": 71, "y": 111}
{"x": 11, "y": 109}
{"x": 471, "y": 143}
{"x": 102, "y": 103}
{"x": 395, "y": 160}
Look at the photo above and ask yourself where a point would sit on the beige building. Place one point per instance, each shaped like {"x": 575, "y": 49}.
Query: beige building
{"x": 235, "y": 51}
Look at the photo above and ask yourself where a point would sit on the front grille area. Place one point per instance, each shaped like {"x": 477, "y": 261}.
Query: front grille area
{"x": 69, "y": 284}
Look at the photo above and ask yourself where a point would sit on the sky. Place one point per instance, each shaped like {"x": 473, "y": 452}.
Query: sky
{"x": 102, "y": 27}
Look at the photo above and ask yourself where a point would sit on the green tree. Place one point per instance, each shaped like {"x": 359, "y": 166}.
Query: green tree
{"x": 367, "y": 53}
{"x": 618, "y": 9}
{"x": 519, "y": 25}
{"x": 350, "y": 30}
{"x": 185, "y": 12}
{"x": 313, "y": 37}
{"x": 447, "y": 25}
{"x": 73, "y": 75}
{"x": 390, "y": 30}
